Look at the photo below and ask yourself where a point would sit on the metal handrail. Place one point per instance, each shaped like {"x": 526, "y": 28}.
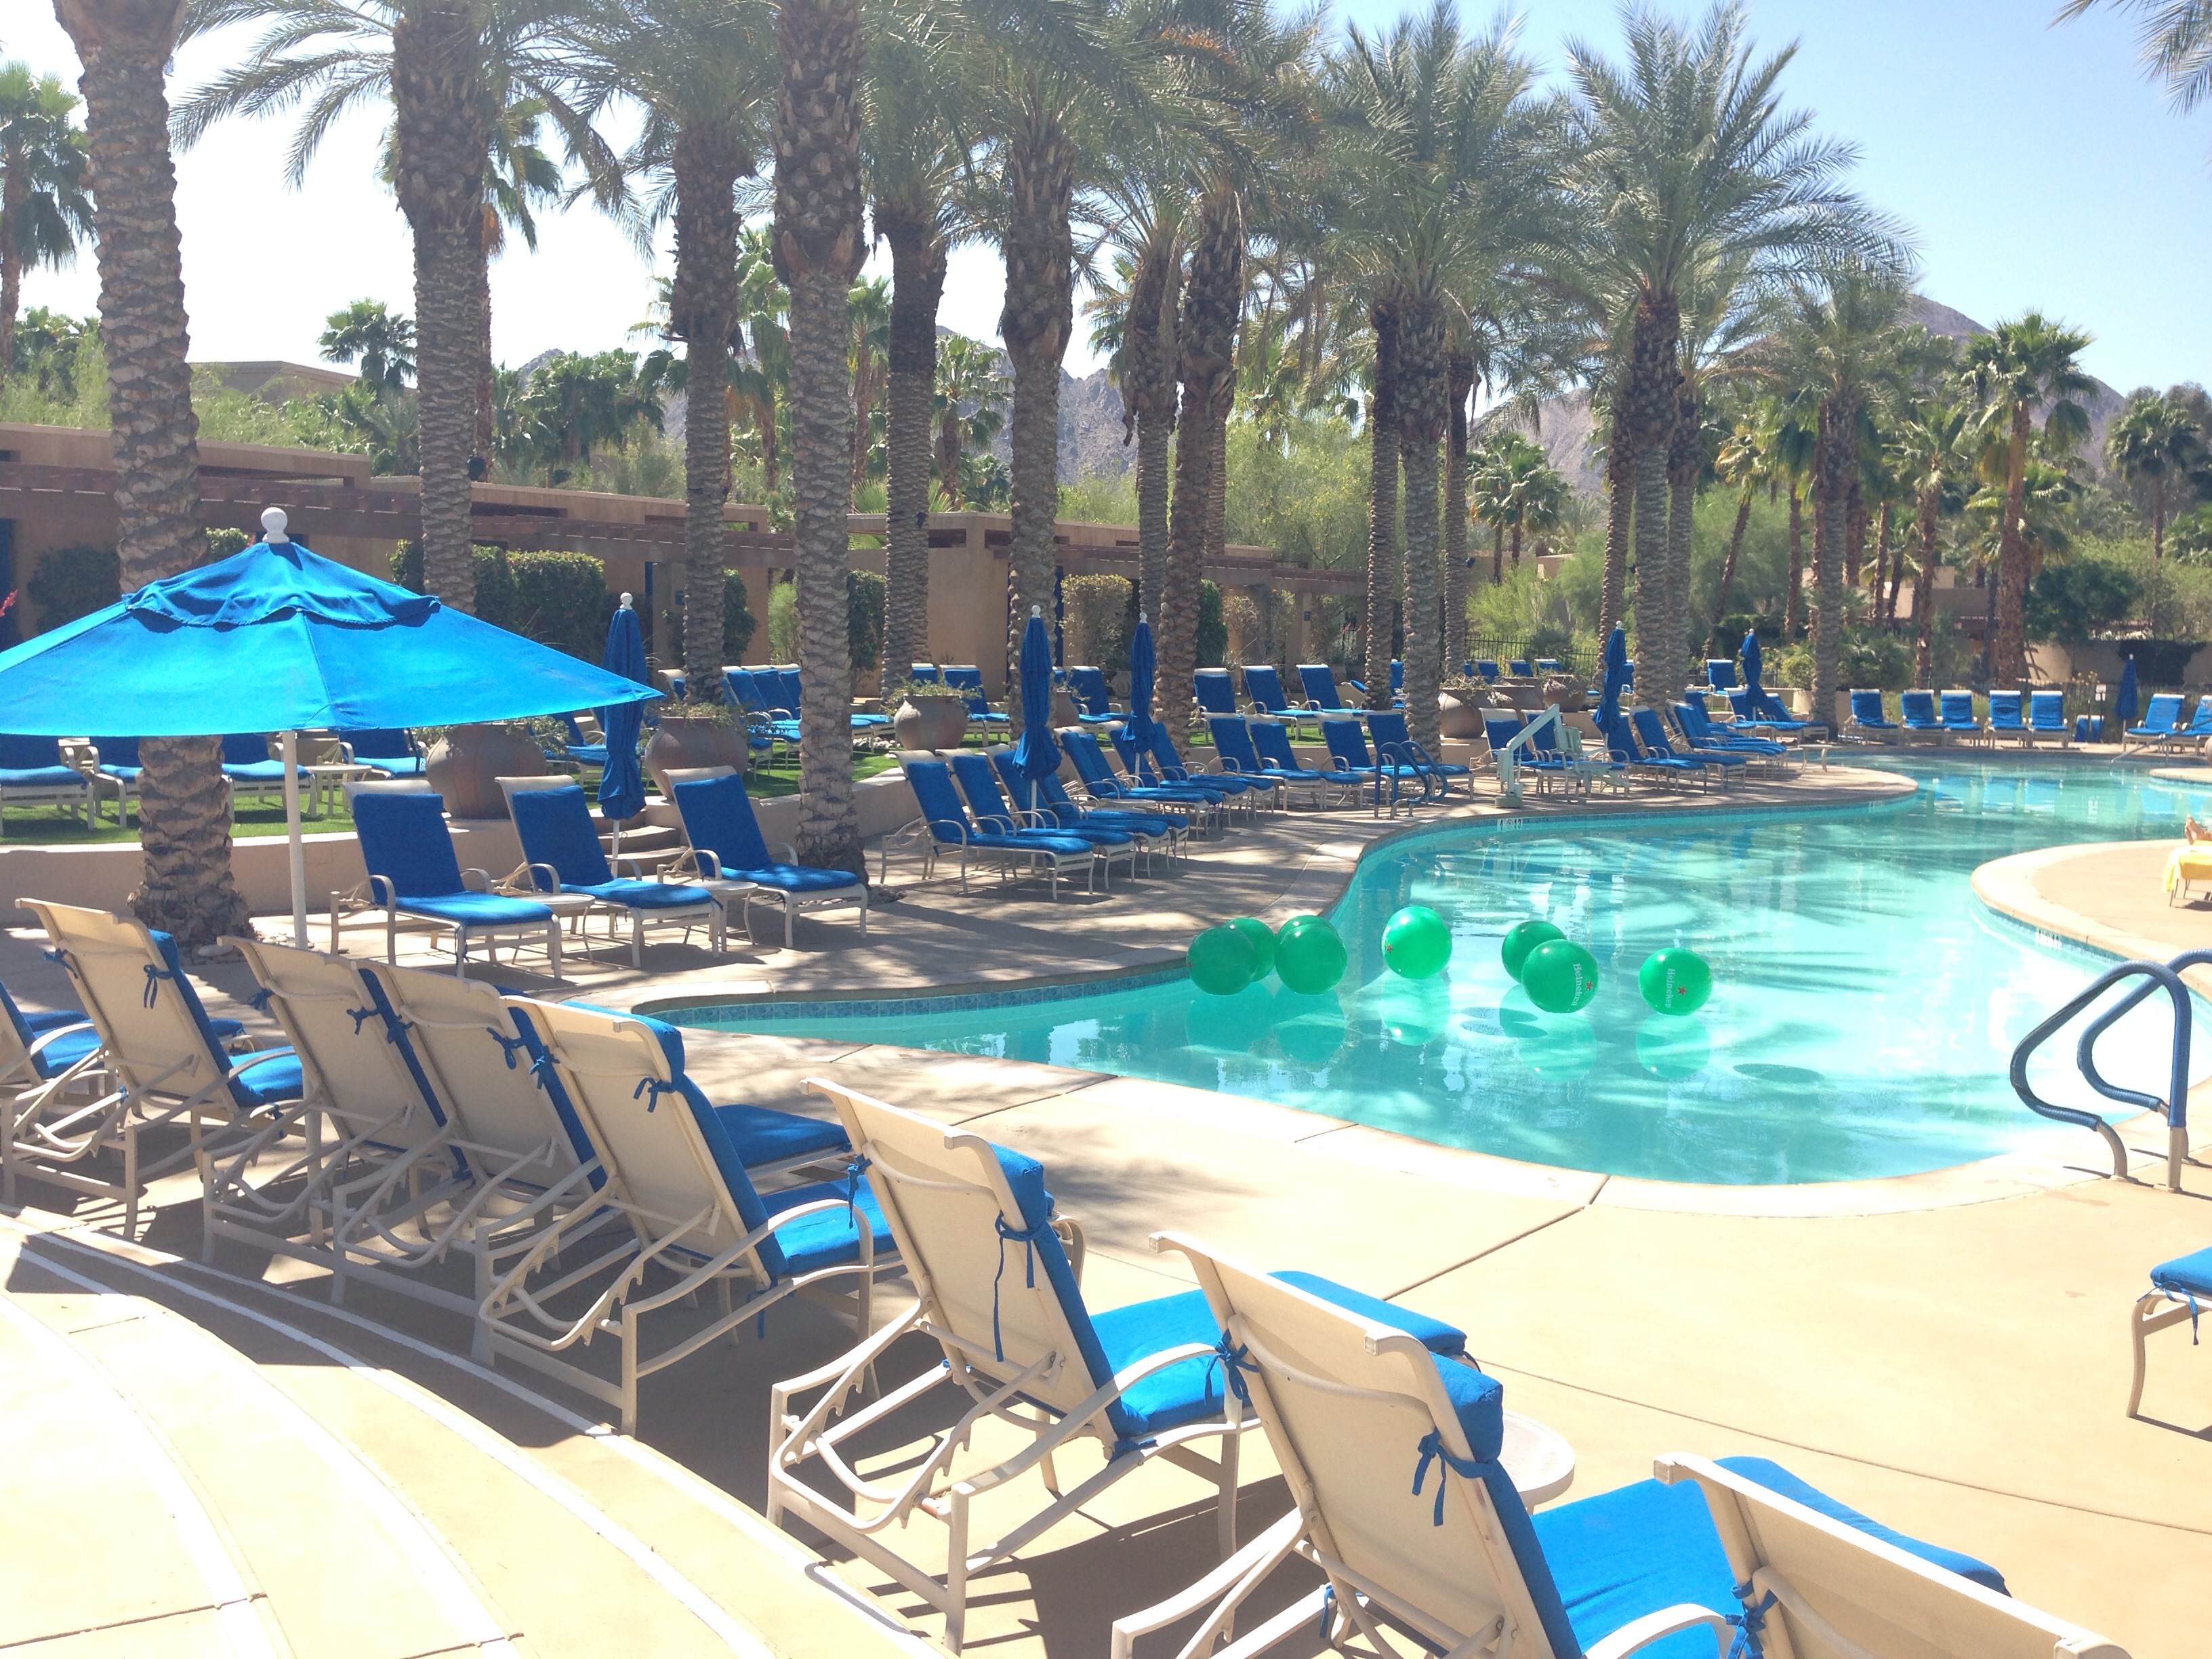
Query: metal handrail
{"x": 2175, "y": 1108}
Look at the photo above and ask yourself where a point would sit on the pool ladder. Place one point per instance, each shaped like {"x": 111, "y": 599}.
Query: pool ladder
{"x": 2155, "y": 976}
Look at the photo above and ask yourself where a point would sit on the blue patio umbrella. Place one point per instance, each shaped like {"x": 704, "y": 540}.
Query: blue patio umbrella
{"x": 1615, "y": 681}
{"x": 2125, "y": 709}
{"x": 1141, "y": 666}
{"x": 621, "y": 785}
{"x": 1038, "y": 752}
{"x": 277, "y": 638}
{"x": 1756, "y": 697}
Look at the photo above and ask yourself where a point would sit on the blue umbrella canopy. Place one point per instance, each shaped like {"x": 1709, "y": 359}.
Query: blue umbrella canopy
{"x": 2125, "y": 709}
{"x": 1141, "y": 666}
{"x": 1038, "y": 752}
{"x": 621, "y": 785}
{"x": 278, "y": 639}
{"x": 1615, "y": 680}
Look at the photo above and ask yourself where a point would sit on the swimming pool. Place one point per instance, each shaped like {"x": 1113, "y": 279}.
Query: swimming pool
{"x": 1865, "y": 1008}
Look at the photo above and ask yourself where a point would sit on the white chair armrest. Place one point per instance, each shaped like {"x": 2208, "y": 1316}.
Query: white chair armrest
{"x": 784, "y": 851}
{"x": 481, "y": 882}
{"x": 1643, "y": 1633}
{"x": 627, "y": 866}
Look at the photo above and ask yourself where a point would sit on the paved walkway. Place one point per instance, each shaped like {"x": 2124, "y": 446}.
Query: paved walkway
{"x": 1956, "y": 1367}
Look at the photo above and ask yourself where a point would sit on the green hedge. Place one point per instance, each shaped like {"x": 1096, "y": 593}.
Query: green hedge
{"x": 559, "y": 600}
{"x": 865, "y": 593}
{"x": 73, "y": 581}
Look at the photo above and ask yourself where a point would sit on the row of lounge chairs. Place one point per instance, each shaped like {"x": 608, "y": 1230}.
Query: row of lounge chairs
{"x": 1951, "y": 714}
{"x": 81, "y": 773}
{"x": 582, "y": 1186}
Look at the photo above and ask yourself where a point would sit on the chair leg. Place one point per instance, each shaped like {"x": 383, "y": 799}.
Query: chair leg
{"x": 786, "y": 922}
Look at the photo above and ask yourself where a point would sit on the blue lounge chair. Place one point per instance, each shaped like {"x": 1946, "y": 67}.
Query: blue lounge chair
{"x": 1701, "y": 735}
{"x": 574, "y": 746}
{"x": 2179, "y": 1289}
{"x": 785, "y": 685}
{"x": 1486, "y": 668}
{"x": 162, "y": 1063}
{"x": 1652, "y": 733}
{"x": 925, "y": 672}
{"x": 1147, "y": 775}
{"x": 1917, "y": 712}
{"x": 1720, "y": 674}
{"x": 114, "y": 763}
{"x": 726, "y": 845}
{"x": 1093, "y": 698}
{"x": 1272, "y": 740}
{"x": 31, "y": 774}
{"x": 2004, "y": 716}
{"x": 2161, "y": 724}
{"x": 1215, "y": 691}
{"x": 1707, "y": 1556}
{"x": 1765, "y": 713}
{"x": 1047, "y": 802}
{"x": 1022, "y": 1347}
{"x": 1499, "y": 728}
{"x": 1163, "y": 765}
{"x": 968, "y": 682}
{"x": 1394, "y": 741}
{"x": 1548, "y": 665}
{"x": 49, "y": 1041}
{"x": 1233, "y": 741}
{"x": 2200, "y": 724}
{"x": 979, "y": 781}
{"x": 1348, "y": 747}
{"x": 562, "y": 854}
{"x": 1521, "y": 667}
{"x": 1621, "y": 745}
{"x": 944, "y": 828}
{"x": 1867, "y": 715}
{"x": 413, "y": 871}
{"x": 250, "y": 768}
{"x": 768, "y": 726}
{"x": 1263, "y": 685}
{"x": 1101, "y": 783}
{"x": 1957, "y": 713}
{"x": 2046, "y": 717}
{"x": 1321, "y": 696}
{"x": 395, "y": 754}
{"x": 1398, "y": 680}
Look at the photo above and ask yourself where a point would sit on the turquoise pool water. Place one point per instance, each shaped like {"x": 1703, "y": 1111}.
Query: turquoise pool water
{"x": 1865, "y": 1009}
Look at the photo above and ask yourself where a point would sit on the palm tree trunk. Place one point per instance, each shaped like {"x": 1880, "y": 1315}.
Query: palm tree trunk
{"x": 1497, "y": 553}
{"x": 1149, "y": 365}
{"x": 1924, "y": 590}
{"x": 439, "y": 140}
{"x": 1213, "y": 295}
{"x": 13, "y": 189}
{"x": 184, "y": 886}
{"x": 1685, "y": 455}
{"x": 1651, "y": 395}
{"x": 1382, "y": 505}
{"x": 917, "y": 263}
{"x": 1459, "y": 383}
{"x": 484, "y": 435}
{"x": 1040, "y": 313}
{"x": 1421, "y": 420}
{"x": 2157, "y": 534}
{"x": 2008, "y": 663}
{"x": 1793, "y": 595}
{"x": 1885, "y": 569}
{"x": 1620, "y": 506}
{"x": 702, "y": 300}
{"x": 1728, "y": 570}
{"x": 1832, "y": 503}
{"x": 818, "y": 250}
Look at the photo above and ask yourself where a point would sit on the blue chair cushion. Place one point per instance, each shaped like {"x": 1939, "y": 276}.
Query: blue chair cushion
{"x": 263, "y": 1081}
{"x": 796, "y": 879}
{"x": 2189, "y": 1275}
{"x": 1776, "y": 1478}
{"x": 476, "y": 909}
{"x": 829, "y": 1236}
{"x": 39, "y": 777}
{"x": 763, "y": 1135}
{"x": 1434, "y": 1335}
{"x": 404, "y": 839}
{"x": 1624, "y": 1554}
{"x": 642, "y": 894}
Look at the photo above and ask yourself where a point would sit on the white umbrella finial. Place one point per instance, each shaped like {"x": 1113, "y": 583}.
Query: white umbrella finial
{"x": 625, "y": 601}
{"x": 1143, "y": 618}
{"x": 1036, "y": 613}
{"x": 273, "y": 521}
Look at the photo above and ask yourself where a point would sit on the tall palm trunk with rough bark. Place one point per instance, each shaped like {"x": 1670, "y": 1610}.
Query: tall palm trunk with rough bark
{"x": 1684, "y": 459}
{"x": 1923, "y": 589}
{"x": 1832, "y": 502}
{"x": 1459, "y": 382}
{"x": 917, "y": 263}
{"x": 703, "y": 301}
{"x": 2009, "y": 663}
{"x": 1039, "y": 315}
{"x": 1213, "y": 295}
{"x": 1728, "y": 569}
{"x": 1793, "y": 595}
{"x": 441, "y": 137}
{"x": 184, "y": 886}
{"x": 818, "y": 250}
{"x": 1620, "y": 514}
{"x": 14, "y": 189}
{"x": 1149, "y": 365}
{"x": 1421, "y": 421}
{"x": 1653, "y": 377}
{"x": 1382, "y": 504}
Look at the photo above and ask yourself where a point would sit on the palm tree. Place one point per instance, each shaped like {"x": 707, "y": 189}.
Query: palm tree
{"x": 819, "y": 242}
{"x": 44, "y": 205}
{"x": 185, "y": 886}
{"x": 452, "y": 69}
{"x": 2176, "y": 42}
{"x": 1459, "y": 387}
{"x": 1686, "y": 161}
{"x": 760, "y": 382}
{"x": 969, "y": 409}
{"x": 1936, "y": 446}
{"x": 2022, "y": 366}
{"x": 1746, "y": 462}
{"x": 2156, "y": 440}
{"x": 869, "y": 315}
{"x": 366, "y": 333}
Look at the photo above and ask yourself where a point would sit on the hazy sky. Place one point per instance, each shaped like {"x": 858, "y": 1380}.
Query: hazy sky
{"x": 2035, "y": 165}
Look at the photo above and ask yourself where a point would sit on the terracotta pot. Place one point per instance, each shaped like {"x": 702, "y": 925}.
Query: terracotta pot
{"x": 1063, "y": 708}
{"x": 1456, "y": 719}
{"x": 931, "y": 722}
{"x": 468, "y": 762}
{"x": 680, "y": 743}
{"x": 1571, "y": 695}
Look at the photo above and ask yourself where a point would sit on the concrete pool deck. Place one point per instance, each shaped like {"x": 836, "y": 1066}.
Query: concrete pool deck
{"x": 1955, "y": 1368}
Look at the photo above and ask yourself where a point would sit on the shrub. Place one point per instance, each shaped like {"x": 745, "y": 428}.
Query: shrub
{"x": 221, "y": 544}
{"x": 864, "y": 618}
{"x": 2071, "y": 603}
{"x": 70, "y": 582}
{"x": 737, "y": 623}
{"x": 559, "y": 600}
{"x": 783, "y": 622}
{"x": 1212, "y": 627}
{"x": 1099, "y": 622}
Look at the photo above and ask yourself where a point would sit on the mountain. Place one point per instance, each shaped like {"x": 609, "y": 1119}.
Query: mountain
{"x": 1089, "y": 427}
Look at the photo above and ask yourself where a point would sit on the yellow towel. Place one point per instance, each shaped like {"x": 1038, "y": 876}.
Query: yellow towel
{"x": 2189, "y": 863}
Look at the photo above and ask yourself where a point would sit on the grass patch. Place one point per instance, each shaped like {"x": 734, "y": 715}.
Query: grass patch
{"x": 257, "y": 817}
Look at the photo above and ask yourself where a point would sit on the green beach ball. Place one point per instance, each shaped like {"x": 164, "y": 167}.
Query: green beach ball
{"x": 1310, "y": 957}
{"x": 1675, "y": 980}
{"x": 1520, "y": 940}
{"x": 1416, "y": 942}
{"x": 1559, "y": 977}
{"x": 1261, "y": 938}
{"x": 1222, "y": 962}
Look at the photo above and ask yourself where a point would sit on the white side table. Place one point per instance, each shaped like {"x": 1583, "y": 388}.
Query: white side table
{"x": 1540, "y": 1459}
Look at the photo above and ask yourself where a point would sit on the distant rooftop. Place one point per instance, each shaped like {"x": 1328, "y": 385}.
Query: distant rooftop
{"x": 275, "y": 381}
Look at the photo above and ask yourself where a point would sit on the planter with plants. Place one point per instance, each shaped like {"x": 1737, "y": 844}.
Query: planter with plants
{"x": 465, "y": 763}
{"x": 698, "y": 733}
{"x": 1460, "y": 704}
{"x": 925, "y": 715}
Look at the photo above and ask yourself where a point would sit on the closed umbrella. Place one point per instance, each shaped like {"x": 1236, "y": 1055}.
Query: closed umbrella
{"x": 1756, "y": 697}
{"x": 621, "y": 785}
{"x": 1141, "y": 665}
{"x": 2123, "y": 704}
{"x": 1038, "y": 752}
{"x": 277, "y": 639}
{"x": 1614, "y": 683}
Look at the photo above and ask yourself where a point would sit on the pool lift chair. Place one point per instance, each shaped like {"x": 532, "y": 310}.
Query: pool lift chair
{"x": 1526, "y": 752}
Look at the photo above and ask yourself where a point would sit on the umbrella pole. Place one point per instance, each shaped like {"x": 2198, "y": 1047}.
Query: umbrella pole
{"x": 290, "y": 743}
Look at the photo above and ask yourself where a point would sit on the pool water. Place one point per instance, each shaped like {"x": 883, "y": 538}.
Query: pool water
{"x": 1863, "y": 1015}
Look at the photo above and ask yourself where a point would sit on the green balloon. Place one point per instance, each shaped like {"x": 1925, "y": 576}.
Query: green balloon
{"x": 1261, "y": 938}
{"x": 1416, "y": 942}
{"x": 1559, "y": 977}
{"x": 1522, "y": 938}
{"x": 1222, "y": 962}
{"x": 1310, "y": 957}
{"x": 1675, "y": 980}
